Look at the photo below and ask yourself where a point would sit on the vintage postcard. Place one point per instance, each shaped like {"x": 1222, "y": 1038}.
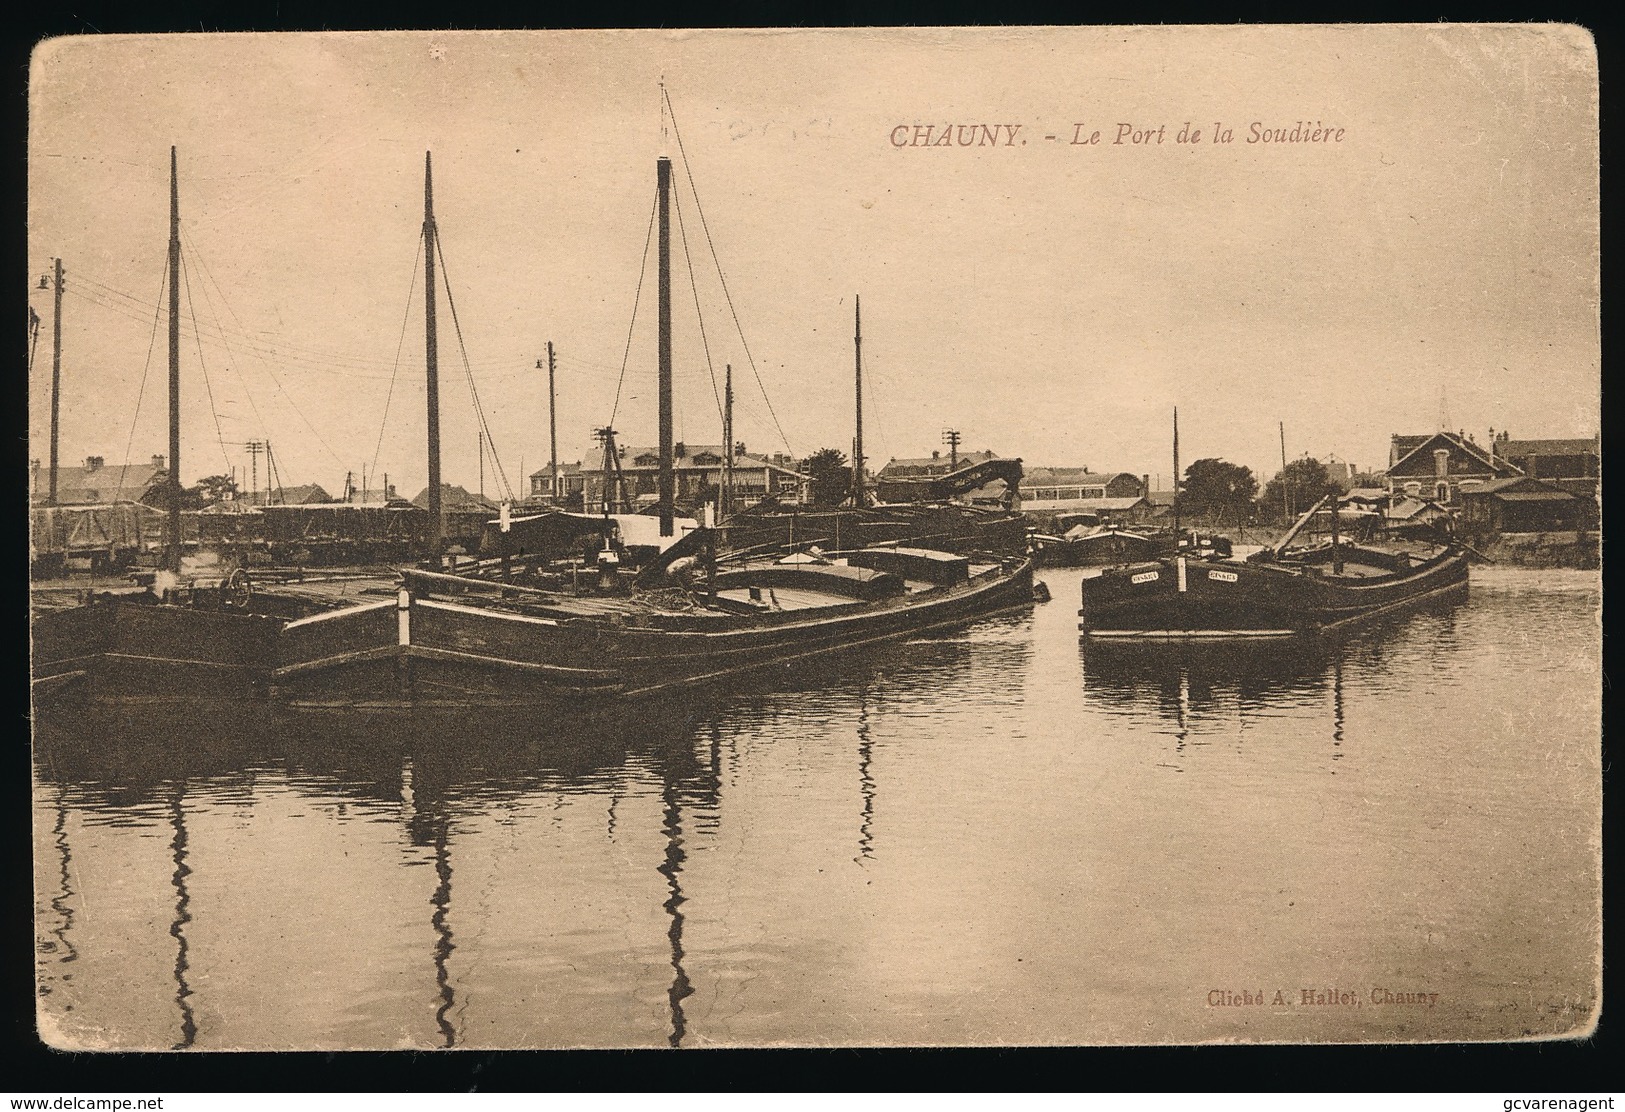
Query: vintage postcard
{"x": 891, "y": 537}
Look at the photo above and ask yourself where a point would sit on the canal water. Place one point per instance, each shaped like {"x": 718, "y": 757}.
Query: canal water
{"x": 994, "y": 837}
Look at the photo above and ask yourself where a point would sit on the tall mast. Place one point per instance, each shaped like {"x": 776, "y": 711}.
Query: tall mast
{"x": 1176, "y": 474}
{"x": 172, "y": 556}
{"x": 437, "y": 526}
{"x": 552, "y": 422}
{"x": 668, "y": 478}
{"x": 1337, "y": 555}
{"x": 1286, "y": 504}
{"x": 726, "y": 502}
{"x": 56, "y": 371}
{"x": 858, "y": 498}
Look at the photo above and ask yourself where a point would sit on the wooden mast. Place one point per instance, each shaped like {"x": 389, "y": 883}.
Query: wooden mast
{"x": 1337, "y": 555}
{"x": 437, "y": 525}
{"x": 56, "y": 372}
{"x": 668, "y": 478}
{"x": 858, "y": 497}
{"x": 1176, "y": 475}
{"x": 725, "y": 503}
{"x": 172, "y": 554}
{"x": 1286, "y": 503}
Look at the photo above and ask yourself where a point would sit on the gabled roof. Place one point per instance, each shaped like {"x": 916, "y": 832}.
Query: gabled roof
{"x": 935, "y": 466}
{"x": 564, "y": 469}
{"x": 1407, "y": 508}
{"x": 454, "y": 498}
{"x": 1404, "y": 445}
{"x": 1455, "y": 443}
{"x": 1568, "y": 447}
{"x": 1514, "y": 485}
{"x": 116, "y": 483}
{"x": 1073, "y": 476}
{"x": 286, "y": 496}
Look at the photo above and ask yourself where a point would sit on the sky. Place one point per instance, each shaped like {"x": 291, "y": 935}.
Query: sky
{"x": 1434, "y": 254}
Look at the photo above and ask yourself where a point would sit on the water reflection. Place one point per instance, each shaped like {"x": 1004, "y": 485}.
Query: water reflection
{"x": 433, "y": 774}
{"x": 866, "y": 782}
{"x": 717, "y": 869}
{"x": 672, "y": 868}
{"x": 1181, "y": 682}
{"x": 183, "y": 916}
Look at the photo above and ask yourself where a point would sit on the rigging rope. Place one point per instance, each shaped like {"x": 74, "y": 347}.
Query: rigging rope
{"x": 643, "y": 271}
{"x": 705, "y": 226}
{"x": 473, "y": 391}
{"x": 265, "y": 430}
{"x": 214, "y": 410}
{"x": 411, "y": 288}
{"x": 283, "y": 390}
{"x": 688, "y": 259}
{"x": 141, "y": 391}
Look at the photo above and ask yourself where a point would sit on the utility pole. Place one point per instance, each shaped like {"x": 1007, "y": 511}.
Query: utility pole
{"x": 552, "y": 423}
{"x": 255, "y": 447}
{"x": 56, "y": 371}
{"x": 482, "y": 462}
{"x": 950, "y": 437}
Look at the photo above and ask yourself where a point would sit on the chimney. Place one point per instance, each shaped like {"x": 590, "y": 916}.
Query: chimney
{"x": 1145, "y": 486}
{"x": 935, "y": 454}
{"x": 93, "y": 463}
{"x": 679, "y": 450}
{"x": 157, "y": 463}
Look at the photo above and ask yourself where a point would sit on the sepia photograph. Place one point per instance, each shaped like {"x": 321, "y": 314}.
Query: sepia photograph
{"x": 891, "y": 537}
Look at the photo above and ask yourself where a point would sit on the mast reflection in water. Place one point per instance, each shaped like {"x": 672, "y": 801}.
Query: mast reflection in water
{"x": 710, "y": 871}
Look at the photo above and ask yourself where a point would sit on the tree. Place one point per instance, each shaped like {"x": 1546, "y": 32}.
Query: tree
{"x": 1218, "y": 490}
{"x": 830, "y": 477}
{"x": 1301, "y": 484}
{"x": 212, "y": 488}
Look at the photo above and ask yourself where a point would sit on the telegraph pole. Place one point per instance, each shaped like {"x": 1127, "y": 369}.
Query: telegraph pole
{"x": 552, "y": 423}
{"x": 56, "y": 371}
{"x": 950, "y": 437}
{"x": 255, "y": 447}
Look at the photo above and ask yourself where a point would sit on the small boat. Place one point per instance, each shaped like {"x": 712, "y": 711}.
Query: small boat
{"x": 1278, "y": 592}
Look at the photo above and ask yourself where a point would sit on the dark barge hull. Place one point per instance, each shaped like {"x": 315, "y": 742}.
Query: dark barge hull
{"x": 427, "y": 651}
{"x": 1184, "y": 598}
{"x": 116, "y": 647}
{"x": 1101, "y": 549}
